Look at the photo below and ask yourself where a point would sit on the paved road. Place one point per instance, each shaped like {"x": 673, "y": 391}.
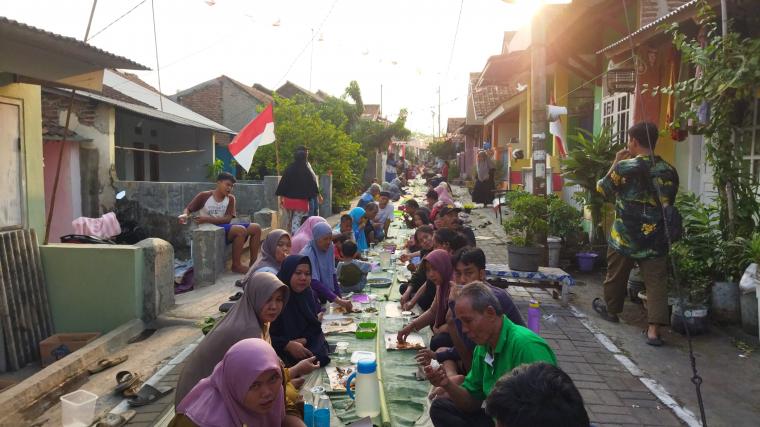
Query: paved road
{"x": 614, "y": 394}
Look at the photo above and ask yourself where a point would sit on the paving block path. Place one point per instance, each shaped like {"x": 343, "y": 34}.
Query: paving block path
{"x": 613, "y": 395}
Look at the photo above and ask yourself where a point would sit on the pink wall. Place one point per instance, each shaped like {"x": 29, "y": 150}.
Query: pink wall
{"x": 68, "y": 200}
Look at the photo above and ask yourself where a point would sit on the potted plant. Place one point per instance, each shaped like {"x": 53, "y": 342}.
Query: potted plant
{"x": 468, "y": 207}
{"x": 526, "y": 228}
{"x": 564, "y": 222}
{"x": 588, "y": 160}
{"x": 694, "y": 278}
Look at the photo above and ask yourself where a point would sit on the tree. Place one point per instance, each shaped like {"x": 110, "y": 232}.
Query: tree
{"x": 442, "y": 149}
{"x": 301, "y": 123}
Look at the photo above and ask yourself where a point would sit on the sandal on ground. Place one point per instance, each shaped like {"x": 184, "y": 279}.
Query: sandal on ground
{"x": 236, "y": 297}
{"x": 240, "y": 283}
{"x": 227, "y": 306}
{"x": 114, "y": 420}
{"x": 106, "y": 363}
{"x": 654, "y": 342}
{"x": 601, "y": 309}
{"x": 149, "y": 394}
{"x": 125, "y": 380}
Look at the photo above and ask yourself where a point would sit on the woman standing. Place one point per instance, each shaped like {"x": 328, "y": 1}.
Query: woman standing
{"x": 297, "y": 332}
{"x": 297, "y": 186}
{"x": 304, "y": 234}
{"x": 484, "y": 185}
{"x": 246, "y": 388}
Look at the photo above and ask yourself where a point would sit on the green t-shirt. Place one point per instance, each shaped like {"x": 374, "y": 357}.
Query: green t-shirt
{"x": 517, "y": 346}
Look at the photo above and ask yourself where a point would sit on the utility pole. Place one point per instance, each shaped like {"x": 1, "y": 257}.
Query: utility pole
{"x": 538, "y": 120}
{"x": 380, "y": 114}
{"x": 311, "y": 59}
{"x": 439, "y": 111}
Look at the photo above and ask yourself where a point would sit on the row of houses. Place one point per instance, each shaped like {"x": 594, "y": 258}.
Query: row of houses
{"x": 600, "y": 54}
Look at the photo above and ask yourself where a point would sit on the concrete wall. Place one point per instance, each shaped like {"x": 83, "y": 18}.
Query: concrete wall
{"x": 93, "y": 288}
{"x": 156, "y": 205}
{"x": 29, "y": 96}
{"x": 185, "y": 167}
{"x": 238, "y": 107}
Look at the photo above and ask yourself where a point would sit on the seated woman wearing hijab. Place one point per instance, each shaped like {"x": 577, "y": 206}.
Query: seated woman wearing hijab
{"x": 246, "y": 388}
{"x": 303, "y": 235}
{"x": 265, "y": 297}
{"x": 321, "y": 253}
{"x": 358, "y": 222}
{"x": 274, "y": 249}
{"x": 297, "y": 332}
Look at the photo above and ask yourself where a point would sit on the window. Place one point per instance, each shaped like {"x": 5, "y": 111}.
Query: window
{"x": 750, "y": 144}
{"x": 616, "y": 113}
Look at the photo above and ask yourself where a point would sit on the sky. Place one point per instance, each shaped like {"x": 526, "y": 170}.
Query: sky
{"x": 407, "y": 47}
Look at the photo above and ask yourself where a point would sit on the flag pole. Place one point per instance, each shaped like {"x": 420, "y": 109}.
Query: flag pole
{"x": 277, "y": 154}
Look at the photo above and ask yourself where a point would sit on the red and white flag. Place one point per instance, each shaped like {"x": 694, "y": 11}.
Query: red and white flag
{"x": 259, "y": 132}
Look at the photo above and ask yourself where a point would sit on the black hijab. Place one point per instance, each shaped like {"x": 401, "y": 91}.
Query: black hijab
{"x": 298, "y": 318}
{"x": 298, "y": 181}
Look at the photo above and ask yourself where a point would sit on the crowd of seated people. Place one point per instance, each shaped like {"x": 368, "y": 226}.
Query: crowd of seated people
{"x": 484, "y": 366}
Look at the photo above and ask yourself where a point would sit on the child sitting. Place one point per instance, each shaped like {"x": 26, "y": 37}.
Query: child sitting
{"x": 352, "y": 272}
{"x": 341, "y": 233}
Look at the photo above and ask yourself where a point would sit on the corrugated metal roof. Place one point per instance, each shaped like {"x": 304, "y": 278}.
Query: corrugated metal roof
{"x": 654, "y": 24}
{"x": 14, "y": 30}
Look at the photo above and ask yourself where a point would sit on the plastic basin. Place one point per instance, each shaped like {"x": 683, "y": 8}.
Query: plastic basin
{"x": 78, "y": 408}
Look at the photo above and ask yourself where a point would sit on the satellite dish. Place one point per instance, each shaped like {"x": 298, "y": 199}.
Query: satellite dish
{"x": 121, "y": 194}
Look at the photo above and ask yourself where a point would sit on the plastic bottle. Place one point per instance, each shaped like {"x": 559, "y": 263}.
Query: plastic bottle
{"x": 534, "y": 316}
{"x": 308, "y": 408}
{"x": 322, "y": 412}
{"x": 367, "y": 393}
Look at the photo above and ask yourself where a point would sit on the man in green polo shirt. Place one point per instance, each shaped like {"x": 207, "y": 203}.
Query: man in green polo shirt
{"x": 501, "y": 347}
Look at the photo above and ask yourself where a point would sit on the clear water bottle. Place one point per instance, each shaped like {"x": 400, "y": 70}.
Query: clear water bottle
{"x": 534, "y": 316}
{"x": 322, "y": 412}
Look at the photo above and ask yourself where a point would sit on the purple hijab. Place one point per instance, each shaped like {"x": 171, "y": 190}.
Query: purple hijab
{"x": 440, "y": 260}
{"x": 303, "y": 234}
{"x": 217, "y": 401}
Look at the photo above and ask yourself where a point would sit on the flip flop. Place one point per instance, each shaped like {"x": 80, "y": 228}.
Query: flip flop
{"x": 236, "y": 297}
{"x": 227, "y": 306}
{"x": 149, "y": 394}
{"x": 240, "y": 283}
{"x": 601, "y": 309}
{"x": 654, "y": 342}
{"x": 106, "y": 363}
{"x": 114, "y": 420}
{"x": 125, "y": 380}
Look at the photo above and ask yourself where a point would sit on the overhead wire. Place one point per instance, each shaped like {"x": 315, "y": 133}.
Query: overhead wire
{"x": 454, "y": 42}
{"x": 116, "y": 20}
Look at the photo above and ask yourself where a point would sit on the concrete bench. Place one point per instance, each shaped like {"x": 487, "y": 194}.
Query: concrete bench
{"x": 211, "y": 249}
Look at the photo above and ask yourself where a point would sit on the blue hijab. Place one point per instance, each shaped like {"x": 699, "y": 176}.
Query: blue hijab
{"x": 322, "y": 262}
{"x": 356, "y": 215}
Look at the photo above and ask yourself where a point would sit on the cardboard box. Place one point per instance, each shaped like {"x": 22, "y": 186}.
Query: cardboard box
{"x": 57, "y": 346}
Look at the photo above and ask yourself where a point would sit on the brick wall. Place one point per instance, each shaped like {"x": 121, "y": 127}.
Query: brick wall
{"x": 54, "y": 104}
{"x": 206, "y": 101}
{"x": 653, "y": 9}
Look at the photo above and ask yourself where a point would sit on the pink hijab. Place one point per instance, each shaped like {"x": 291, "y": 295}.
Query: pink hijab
{"x": 440, "y": 260}
{"x": 303, "y": 236}
{"x": 444, "y": 198}
{"x": 217, "y": 401}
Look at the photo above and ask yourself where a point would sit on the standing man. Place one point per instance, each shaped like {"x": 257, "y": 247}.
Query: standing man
{"x": 638, "y": 233}
{"x": 501, "y": 347}
{"x": 218, "y": 207}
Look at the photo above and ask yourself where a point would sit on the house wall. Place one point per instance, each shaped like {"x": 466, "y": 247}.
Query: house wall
{"x": 29, "y": 96}
{"x": 238, "y": 107}
{"x": 68, "y": 200}
{"x": 170, "y": 137}
{"x": 93, "y": 288}
{"x": 154, "y": 206}
{"x": 206, "y": 101}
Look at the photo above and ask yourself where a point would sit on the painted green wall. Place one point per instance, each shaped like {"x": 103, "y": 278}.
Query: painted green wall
{"x": 93, "y": 288}
{"x": 30, "y": 97}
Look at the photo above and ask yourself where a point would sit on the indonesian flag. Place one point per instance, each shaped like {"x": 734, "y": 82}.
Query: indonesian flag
{"x": 255, "y": 134}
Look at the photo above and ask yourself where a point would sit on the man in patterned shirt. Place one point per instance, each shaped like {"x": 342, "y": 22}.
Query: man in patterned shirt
{"x": 638, "y": 234}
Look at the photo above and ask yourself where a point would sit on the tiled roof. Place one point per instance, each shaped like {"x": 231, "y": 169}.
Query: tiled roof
{"x": 454, "y": 123}
{"x": 371, "y": 111}
{"x": 262, "y": 96}
{"x": 10, "y": 30}
{"x": 486, "y": 98}
{"x": 290, "y": 89}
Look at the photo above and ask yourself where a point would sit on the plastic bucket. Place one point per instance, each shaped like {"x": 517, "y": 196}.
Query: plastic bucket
{"x": 78, "y": 408}
{"x": 586, "y": 261}
{"x": 522, "y": 258}
{"x": 554, "y": 245}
